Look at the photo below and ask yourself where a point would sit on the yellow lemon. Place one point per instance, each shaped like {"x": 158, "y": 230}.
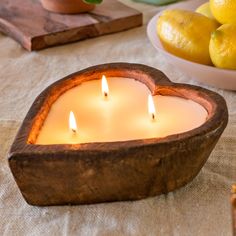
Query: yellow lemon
{"x": 224, "y": 10}
{"x": 223, "y": 46}
{"x": 205, "y": 10}
{"x": 186, "y": 34}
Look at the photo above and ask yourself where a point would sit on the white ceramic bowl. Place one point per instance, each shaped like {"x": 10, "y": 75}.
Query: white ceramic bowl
{"x": 221, "y": 78}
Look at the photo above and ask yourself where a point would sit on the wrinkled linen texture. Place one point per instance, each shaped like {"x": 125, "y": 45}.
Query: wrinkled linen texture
{"x": 200, "y": 208}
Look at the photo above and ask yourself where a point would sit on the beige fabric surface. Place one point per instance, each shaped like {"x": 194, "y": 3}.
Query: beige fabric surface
{"x": 200, "y": 208}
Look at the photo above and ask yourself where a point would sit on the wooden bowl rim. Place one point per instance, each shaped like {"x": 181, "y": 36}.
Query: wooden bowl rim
{"x": 155, "y": 80}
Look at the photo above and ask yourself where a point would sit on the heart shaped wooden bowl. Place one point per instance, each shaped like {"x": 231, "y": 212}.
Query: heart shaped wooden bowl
{"x": 113, "y": 171}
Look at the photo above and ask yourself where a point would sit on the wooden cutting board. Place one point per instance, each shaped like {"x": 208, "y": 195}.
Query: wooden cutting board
{"x": 35, "y": 28}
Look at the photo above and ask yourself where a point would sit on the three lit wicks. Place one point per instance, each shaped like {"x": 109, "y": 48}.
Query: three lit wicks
{"x": 105, "y": 93}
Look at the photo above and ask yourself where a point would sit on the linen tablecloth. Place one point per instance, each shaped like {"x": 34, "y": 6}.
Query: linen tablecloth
{"x": 200, "y": 208}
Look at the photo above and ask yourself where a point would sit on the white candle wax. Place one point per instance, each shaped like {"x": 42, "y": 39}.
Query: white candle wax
{"x": 122, "y": 116}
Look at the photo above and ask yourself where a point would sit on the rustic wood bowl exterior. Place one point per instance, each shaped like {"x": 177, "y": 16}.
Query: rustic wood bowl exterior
{"x": 113, "y": 171}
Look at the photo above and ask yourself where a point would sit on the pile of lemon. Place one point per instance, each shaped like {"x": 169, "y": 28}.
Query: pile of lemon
{"x": 207, "y": 36}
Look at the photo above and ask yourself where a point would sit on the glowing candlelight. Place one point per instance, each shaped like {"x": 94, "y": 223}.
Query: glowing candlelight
{"x": 105, "y": 88}
{"x": 72, "y": 122}
{"x": 151, "y": 107}
{"x": 122, "y": 118}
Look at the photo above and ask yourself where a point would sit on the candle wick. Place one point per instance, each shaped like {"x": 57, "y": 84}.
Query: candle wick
{"x": 74, "y": 131}
{"x": 105, "y": 95}
{"x": 153, "y": 117}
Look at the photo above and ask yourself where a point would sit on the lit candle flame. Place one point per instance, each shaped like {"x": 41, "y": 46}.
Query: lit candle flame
{"x": 151, "y": 107}
{"x": 72, "y": 122}
{"x": 105, "y": 88}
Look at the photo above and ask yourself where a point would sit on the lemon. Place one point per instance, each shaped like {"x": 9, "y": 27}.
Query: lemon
{"x": 186, "y": 34}
{"x": 224, "y": 10}
{"x": 205, "y": 10}
{"x": 223, "y": 47}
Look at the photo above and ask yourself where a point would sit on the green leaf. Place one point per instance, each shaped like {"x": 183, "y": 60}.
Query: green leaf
{"x": 93, "y": 1}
